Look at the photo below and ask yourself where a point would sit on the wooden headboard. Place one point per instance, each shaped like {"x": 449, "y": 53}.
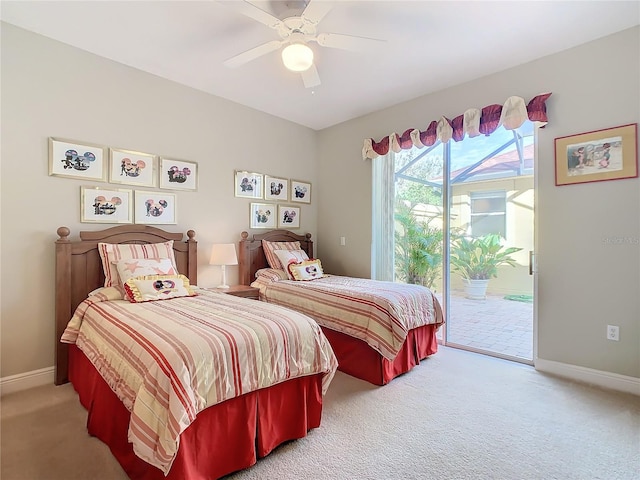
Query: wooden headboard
{"x": 251, "y": 257}
{"x": 79, "y": 271}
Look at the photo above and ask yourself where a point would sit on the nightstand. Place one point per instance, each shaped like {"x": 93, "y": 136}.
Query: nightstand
{"x": 241, "y": 291}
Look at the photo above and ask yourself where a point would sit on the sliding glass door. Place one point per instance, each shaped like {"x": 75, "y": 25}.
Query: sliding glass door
{"x": 464, "y": 224}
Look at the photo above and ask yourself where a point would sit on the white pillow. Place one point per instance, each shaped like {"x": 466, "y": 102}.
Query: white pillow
{"x": 290, "y": 256}
{"x": 139, "y": 267}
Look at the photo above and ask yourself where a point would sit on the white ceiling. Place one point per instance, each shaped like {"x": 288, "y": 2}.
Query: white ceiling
{"x": 430, "y": 45}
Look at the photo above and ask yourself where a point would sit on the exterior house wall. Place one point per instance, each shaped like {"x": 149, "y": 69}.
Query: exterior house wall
{"x": 519, "y": 225}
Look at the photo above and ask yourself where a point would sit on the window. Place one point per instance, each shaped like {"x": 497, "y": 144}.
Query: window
{"x": 488, "y": 213}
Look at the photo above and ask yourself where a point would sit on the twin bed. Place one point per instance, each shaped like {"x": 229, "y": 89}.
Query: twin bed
{"x": 378, "y": 330}
{"x": 182, "y": 383}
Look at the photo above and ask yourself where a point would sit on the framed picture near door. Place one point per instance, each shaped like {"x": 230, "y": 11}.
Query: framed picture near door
{"x": 608, "y": 154}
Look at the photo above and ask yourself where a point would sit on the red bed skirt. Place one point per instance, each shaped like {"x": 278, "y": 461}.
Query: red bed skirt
{"x": 224, "y": 438}
{"x": 358, "y": 359}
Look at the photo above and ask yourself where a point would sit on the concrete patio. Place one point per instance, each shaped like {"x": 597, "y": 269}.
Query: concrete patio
{"x": 501, "y": 326}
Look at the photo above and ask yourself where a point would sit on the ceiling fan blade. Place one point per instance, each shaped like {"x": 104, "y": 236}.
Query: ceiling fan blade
{"x": 346, "y": 42}
{"x": 316, "y": 11}
{"x": 252, "y": 54}
{"x": 310, "y": 77}
{"x": 250, "y": 10}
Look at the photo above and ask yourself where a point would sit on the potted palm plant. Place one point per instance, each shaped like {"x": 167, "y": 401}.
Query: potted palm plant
{"x": 477, "y": 260}
{"x": 418, "y": 248}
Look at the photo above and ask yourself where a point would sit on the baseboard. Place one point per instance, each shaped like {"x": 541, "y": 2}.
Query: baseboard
{"x": 599, "y": 378}
{"x": 613, "y": 381}
{"x": 24, "y": 381}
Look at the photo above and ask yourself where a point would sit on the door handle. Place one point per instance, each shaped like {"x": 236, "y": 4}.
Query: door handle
{"x": 530, "y": 262}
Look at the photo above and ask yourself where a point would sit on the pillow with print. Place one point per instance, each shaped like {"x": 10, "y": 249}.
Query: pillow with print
{"x": 157, "y": 287}
{"x": 307, "y": 270}
{"x": 287, "y": 257}
{"x": 112, "y": 253}
{"x": 140, "y": 267}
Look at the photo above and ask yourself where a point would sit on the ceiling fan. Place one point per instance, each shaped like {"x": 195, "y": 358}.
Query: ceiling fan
{"x": 296, "y": 32}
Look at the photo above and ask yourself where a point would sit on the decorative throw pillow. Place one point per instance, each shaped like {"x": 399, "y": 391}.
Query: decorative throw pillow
{"x": 271, "y": 274}
{"x": 157, "y": 287}
{"x": 290, "y": 256}
{"x": 112, "y": 253}
{"x": 270, "y": 247}
{"x": 139, "y": 267}
{"x": 307, "y": 270}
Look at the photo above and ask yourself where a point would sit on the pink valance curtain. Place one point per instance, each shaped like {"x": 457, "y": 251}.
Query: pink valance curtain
{"x": 473, "y": 122}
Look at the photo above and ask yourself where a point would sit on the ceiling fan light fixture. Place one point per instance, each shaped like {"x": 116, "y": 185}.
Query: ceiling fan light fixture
{"x": 297, "y": 57}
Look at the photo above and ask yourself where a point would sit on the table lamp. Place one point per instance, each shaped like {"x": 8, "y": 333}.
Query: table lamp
{"x": 223, "y": 254}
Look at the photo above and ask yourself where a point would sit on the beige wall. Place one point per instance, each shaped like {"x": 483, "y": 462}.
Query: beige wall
{"x": 51, "y": 89}
{"x": 584, "y": 281}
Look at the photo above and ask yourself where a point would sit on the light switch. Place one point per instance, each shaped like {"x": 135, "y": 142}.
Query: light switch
{"x": 343, "y": 241}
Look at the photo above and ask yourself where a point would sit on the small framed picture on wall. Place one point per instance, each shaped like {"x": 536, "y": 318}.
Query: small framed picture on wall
{"x": 178, "y": 174}
{"x": 300, "y": 191}
{"x": 155, "y": 208}
{"x": 72, "y": 159}
{"x": 276, "y": 188}
{"x": 106, "y": 205}
{"x": 263, "y": 215}
{"x": 288, "y": 217}
{"x": 132, "y": 168}
{"x": 248, "y": 184}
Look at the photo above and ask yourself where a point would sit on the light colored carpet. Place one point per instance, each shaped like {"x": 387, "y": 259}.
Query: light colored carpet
{"x": 458, "y": 415}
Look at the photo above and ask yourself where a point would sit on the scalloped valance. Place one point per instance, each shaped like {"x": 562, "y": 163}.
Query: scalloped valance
{"x": 473, "y": 122}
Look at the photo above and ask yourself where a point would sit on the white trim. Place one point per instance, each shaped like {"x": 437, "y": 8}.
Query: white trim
{"x": 609, "y": 380}
{"x": 24, "y": 381}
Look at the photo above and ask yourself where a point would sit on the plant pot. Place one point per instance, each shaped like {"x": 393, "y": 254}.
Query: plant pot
{"x": 476, "y": 289}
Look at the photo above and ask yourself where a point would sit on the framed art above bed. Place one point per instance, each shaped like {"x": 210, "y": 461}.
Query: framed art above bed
{"x": 178, "y": 174}
{"x": 74, "y": 159}
{"x": 276, "y": 189}
{"x": 106, "y": 205}
{"x": 156, "y": 208}
{"x": 248, "y": 184}
{"x": 300, "y": 191}
{"x": 132, "y": 168}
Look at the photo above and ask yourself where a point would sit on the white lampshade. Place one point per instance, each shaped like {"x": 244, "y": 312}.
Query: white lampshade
{"x": 223, "y": 254}
{"x": 297, "y": 57}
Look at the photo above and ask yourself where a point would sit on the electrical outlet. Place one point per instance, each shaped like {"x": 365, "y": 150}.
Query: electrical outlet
{"x": 613, "y": 332}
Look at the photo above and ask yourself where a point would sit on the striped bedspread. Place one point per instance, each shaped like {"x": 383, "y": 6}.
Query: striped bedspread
{"x": 168, "y": 360}
{"x": 379, "y": 313}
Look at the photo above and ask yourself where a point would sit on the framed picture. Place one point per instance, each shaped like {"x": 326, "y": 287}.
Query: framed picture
{"x": 300, "y": 191}
{"x": 263, "y": 215}
{"x": 106, "y": 205}
{"x": 68, "y": 158}
{"x": 248, "y": 184}
{"x": 288, "y": 217}
{"x": 178, "y": 174}
{"x": 156, "y": 208}
{"x": 609, "y": 154}
{"x": 276, "y": 188}
{"x": 132, "y": 168}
